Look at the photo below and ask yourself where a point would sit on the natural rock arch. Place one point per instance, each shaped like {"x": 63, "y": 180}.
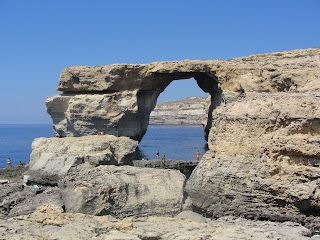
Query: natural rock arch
{"x": 118, "y": 99}
{"x": 263, "y": 158}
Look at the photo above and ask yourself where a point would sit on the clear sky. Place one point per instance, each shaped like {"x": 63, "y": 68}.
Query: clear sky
{"x": 39, "y": 38}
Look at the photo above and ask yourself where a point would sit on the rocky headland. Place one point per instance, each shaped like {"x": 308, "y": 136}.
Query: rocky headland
{"x": 189, "y": 111}
{"x": 259, "y": 180}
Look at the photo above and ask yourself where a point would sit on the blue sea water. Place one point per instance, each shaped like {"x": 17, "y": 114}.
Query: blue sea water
{"x": 16, "y": 139}
{"x": 176, "y": 142}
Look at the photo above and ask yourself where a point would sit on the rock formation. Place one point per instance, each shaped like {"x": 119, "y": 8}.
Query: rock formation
{"x": 189, "y": 111}
{"x": 124, "y": 191}
{"x": 53, "y": 223}
{"x": 120, "y": 191}
{"x": 60, "y": 156}
{"x": 262, "y": 126}
{"x": 117, "y": 99}
{"x": 264, "y": 159}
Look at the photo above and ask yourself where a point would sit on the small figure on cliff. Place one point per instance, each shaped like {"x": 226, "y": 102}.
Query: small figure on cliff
{"x": 198, "y": 155}
{"x": 9, "y": 162}
{"x": 164, "y": 160}
{"x": 19, "y": 164}
{"x": 157, "y": 155}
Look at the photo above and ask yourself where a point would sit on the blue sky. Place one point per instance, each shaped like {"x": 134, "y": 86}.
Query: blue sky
{"x": 39, "y": 38}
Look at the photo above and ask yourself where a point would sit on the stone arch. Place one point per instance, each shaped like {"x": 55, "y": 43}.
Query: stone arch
{"x": 207, "y": 82}
{"x": 118, "y": 99}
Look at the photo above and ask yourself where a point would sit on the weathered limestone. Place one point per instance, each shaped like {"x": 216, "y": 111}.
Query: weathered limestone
{"x": 262, "y": 128}
{"x": 124, "y": 191}
{"x": 120, "y": 191}
{"x": 263, "y": 160}
{"x": 189, "y": 111}
{"x": 51, "y": 223}
{"x": 271, "y": 124}
{"x": 118, "y": 114}
{"x": 57, "y": 157}
{"x": 140, "y": 85}
{"x": 18, "y": 199}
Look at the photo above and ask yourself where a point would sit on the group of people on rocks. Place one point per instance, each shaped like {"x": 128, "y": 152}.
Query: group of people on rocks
{"x": 164, "y": 156}
{"x": 18, "y": 165}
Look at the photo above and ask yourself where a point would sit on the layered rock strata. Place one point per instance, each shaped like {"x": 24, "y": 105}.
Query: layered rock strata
{"x": 189, "y": 111}
{"x": 264, "y": 159}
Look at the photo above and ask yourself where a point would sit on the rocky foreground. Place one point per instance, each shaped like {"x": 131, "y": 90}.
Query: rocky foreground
{"x": 53, "y": 223}
{"x": 262, "y": 125}
{"x": 133, "y": 203}
{"x": 33, "y": 212}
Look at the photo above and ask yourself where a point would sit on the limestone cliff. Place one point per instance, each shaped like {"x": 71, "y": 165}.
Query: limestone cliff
{"x": 189, "y": 111}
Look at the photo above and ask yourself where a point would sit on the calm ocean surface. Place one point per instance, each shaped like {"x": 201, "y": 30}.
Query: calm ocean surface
{"x": 176, "y": 142}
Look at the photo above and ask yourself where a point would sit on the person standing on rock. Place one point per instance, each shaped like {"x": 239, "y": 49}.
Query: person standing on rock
{"x": 9, "y": 162}
{"x": 164, "y": 160}
{"x": 157, "y": 155}
{"x": 198, "y": 155}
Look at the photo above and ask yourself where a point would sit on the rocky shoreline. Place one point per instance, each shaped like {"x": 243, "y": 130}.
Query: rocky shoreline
{"x": 259, "y": 179}
{"x": 32, "y": 212}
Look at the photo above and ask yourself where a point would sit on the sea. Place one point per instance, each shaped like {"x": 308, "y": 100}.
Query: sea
{"x": 178, "y": 142}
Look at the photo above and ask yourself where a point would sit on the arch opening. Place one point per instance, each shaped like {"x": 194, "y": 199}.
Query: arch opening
{"x": 180, "y": 141}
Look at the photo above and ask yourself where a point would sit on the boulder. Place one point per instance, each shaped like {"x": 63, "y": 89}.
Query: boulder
{"x": 53, "y": 158}
{"x": 123, "y": 191}
{"x": 264, "y": 159}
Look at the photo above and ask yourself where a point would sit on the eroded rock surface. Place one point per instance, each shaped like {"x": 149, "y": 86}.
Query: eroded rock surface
{"x": 263, "y": 160}
{"x": 53, "y": 158}
{"x": 51, "y": 223}
{"x": 124, "y": 191}
{"x": 262, "y": 125}
{"x": 120, "y": 114}
{"x": 111, "y": 90}
{"x": 120, "y": 191}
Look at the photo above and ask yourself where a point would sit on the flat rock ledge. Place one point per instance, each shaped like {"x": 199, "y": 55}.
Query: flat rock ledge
{"x": 52, "y": 223}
